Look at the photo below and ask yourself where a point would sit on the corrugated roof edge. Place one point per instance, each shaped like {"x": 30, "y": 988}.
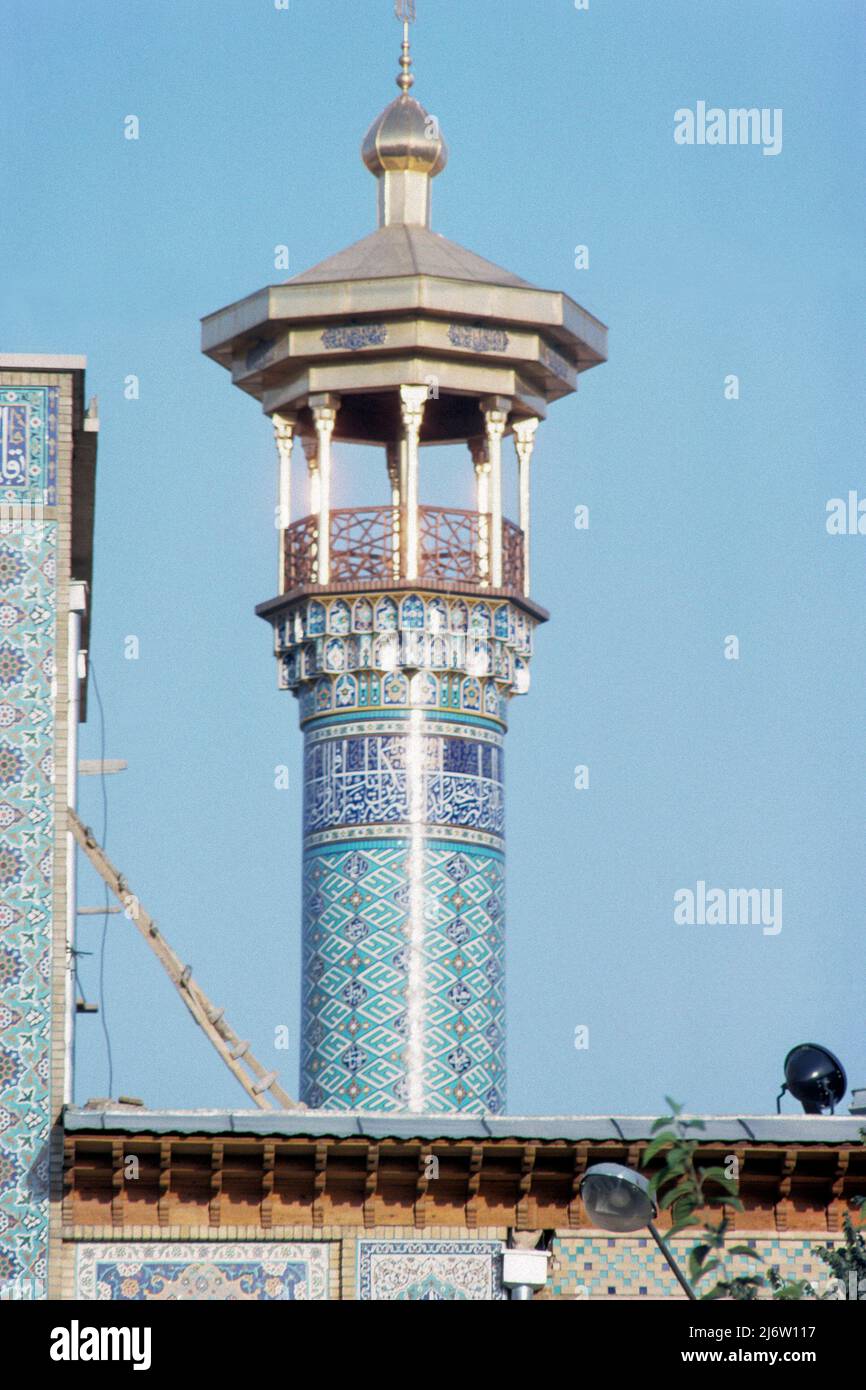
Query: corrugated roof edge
{"x": 761, "y": 1129}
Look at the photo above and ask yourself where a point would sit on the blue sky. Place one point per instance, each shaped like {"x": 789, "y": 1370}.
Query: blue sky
{"x": 707, "y": 516}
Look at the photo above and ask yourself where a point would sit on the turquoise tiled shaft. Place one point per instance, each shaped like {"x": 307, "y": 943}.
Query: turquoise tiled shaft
{"x": 403, "y": 896}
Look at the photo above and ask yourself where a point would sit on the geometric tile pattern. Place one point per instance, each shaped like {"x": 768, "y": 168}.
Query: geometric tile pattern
{"x": 429, "y": 1270}
{"x": 202, "y": 1272}
{"x": 403, "y": 701}
{"x": 28, "y": 444}
{"x": 27, "y": 640}
{"x": 633, "y": 1267}
{"x": 373, "y": 989}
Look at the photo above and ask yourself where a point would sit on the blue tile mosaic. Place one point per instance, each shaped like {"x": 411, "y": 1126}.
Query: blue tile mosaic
{"x": 596, "y": 1266}
{"x": 28, "y": 444}
{"x": 142, "y": 1271}
{"x": 27, "y": 623}
{"x": 362, "y": 985}
{"x": 403, "y": 700}
{"x": 367, "y": 780}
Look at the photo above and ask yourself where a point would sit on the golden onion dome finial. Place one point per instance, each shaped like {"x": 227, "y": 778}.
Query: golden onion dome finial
{"x": 404, "y": 137}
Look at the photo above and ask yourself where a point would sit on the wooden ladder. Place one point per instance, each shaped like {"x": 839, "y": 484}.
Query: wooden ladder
{"x": 261, "y": 1086}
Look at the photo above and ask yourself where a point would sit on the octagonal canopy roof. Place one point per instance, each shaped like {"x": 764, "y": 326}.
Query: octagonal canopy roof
{"x": 401, "y": 249}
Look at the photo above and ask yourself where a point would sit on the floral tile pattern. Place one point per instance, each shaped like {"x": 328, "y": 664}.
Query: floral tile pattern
{"x": 28, "y": 444}
{"x": 27, "y": 639}
{"x": 433, "y": 1271}
{"x": 203, "y": 1272}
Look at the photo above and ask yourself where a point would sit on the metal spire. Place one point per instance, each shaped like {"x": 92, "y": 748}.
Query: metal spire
{"x": 405, "y": 12}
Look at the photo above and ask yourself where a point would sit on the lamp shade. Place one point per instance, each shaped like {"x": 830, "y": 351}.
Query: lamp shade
{"x": 814, "y": 1077}
{"x": 616, "y": 1198}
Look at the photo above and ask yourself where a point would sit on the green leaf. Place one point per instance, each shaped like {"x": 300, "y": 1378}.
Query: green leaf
{"x": 654, "y": 1147}
{"x": 747, "y": 1251}
{"x": 681, "y": 1226}
{"x": 660, "y": 1123}
{"x": 672, "y": 1105}
{"x": 720, "y": 1176}
{"x": 684, "y": 1192}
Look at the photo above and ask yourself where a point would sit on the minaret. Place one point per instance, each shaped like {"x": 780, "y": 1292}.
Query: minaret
{"x": 403, "y": 629}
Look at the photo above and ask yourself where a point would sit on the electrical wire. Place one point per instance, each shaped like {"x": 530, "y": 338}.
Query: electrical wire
{"x": 103, "y": 842}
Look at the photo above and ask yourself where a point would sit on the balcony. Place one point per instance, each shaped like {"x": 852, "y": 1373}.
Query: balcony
{"x": 365, "y": 547}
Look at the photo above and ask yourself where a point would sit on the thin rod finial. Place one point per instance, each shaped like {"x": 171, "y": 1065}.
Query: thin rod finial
{"x": 405, "y": 12}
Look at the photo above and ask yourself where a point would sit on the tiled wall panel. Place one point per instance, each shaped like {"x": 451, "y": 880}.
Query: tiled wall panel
{"x": 28, "y": 595}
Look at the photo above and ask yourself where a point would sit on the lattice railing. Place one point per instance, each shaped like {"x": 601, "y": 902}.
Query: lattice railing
{"x": 450, "y": 544}
{"x": 300, "y": 541}
{"x": 363, "y": 541}
{"x": 512, "y": 557}
{"x": 453, "y": 545}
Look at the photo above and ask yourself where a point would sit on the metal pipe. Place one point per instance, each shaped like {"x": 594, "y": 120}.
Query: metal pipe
{"x": 680, "y": 1277}
{"x": 73, "y": 713}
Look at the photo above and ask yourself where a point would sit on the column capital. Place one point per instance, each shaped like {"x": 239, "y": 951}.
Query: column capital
{"x": 496, "y": 410}
{"x": 324, "y": 408}
{"x": 310, "y": 443}
{"x": 412, "y": 402}
{"x": 525, "y": 432}
{"x": 284, "y": 432}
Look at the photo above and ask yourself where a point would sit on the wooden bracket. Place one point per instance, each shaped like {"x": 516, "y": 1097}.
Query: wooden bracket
{"x": 784, "y": 1206}
{"x": 216, "y": 1183}
{"x": 117, "y": 1182}
{"x": 581, "y": 1154}
{"x": 476, "y": 1159}
{"x": 319, "y": 1182}
{"x": 269, "y": 1152}
{"x": 422, "y": 1182}
{"x": 164, "y": 1200}
{"x": 837, "y": 1208}
{"x": 525, "y": 1187}
{"x": 371, "y": 1186}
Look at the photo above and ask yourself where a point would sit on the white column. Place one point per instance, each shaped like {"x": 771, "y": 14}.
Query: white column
{"x": 524, "y": 442}
{"x": 495, "y": 410}
{"x": 284, "y": 435}
{"x": 412, "y": 401}
{"x": 324, "y": 410}
{"x": 393, "y": 453}
{"x": 481, "y": 461}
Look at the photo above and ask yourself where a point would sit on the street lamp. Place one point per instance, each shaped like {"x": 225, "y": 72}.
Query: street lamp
{"x": 814, "y": 1077}
{"x": 618, "y": 1199}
